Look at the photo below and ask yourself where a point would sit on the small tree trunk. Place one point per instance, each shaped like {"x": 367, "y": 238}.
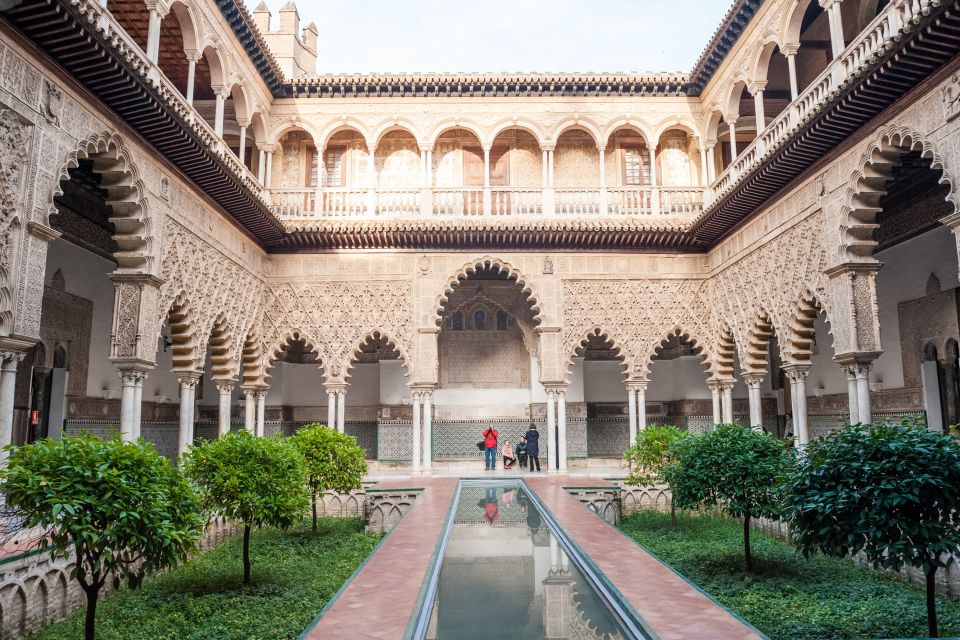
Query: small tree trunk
{"x": 313, "y": 495}
{"x": 89, "y": 628}
{"x": 246, "y": 554}
{"x": 673, "y": 514}
{"x": 746, "y": 542}
{"x": 932, "y": 602}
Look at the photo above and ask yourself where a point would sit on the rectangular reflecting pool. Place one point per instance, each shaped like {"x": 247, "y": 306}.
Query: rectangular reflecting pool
{"x": 504, "y": 570}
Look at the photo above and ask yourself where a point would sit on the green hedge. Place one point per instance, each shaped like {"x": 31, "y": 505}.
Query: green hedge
{"x": 787, "y": 597}
{"x": 294, "y": 575}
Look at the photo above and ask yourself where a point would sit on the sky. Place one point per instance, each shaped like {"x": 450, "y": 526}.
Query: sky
{"x": 384, "y": 36}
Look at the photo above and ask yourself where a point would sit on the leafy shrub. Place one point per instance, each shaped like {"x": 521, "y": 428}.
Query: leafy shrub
{"x": 732, "y": 467}
{"x": 122, "y": 509}
{"x": 255, "y": 481}
{"x": 332, "y": 460}
{"x": 890, "y": 492}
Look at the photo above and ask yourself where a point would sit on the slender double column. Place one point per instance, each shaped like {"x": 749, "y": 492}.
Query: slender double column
{"x": 250, "y": 408}
{"x": 726, "y": 392}
{"x": 131, "y": 402}
{"x": 188, "y": 388}
{"x": 225, "y": 389}
{"x": 336, "y": 405}
{"x": 715, "y": 394}
{"x": 261, "y": 411}
{"x": 551, "y": 430}
{"x": 754, "y": 382}
{"x": 8, "y": 384}
{"x": 636, "y": 407}
{"x": 797, "y": 374}
{"x": 422, "y": 430}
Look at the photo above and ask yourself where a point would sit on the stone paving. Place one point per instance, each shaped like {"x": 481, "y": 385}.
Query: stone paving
{"x": 380, "y": 600}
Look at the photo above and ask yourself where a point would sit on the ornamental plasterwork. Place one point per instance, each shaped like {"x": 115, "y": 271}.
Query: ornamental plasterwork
{"x": 773, "y": 278}
{"x": 635, "y": 315}
{"x": 336, "y": 317}
{"x": 212, "y": 284}
{"x": 14, "y": 149}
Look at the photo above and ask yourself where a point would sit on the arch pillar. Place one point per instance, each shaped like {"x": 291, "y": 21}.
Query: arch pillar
{"x": 188, "y": 389}
{"x": 797, "y": 374}
{"x": 715, "y": 393}
{"x": 857, "y": 367}
{"x": 250, "y": 407}
{"x": 131, "y": 377}
{"x": 637, "y": 407}
{"x": 855, "y": 319}
{"x": 12, "y": 352}
{"x": 336, "y": 405}
{"x": 754, "y": 382}
{"x": 225, "y": 389}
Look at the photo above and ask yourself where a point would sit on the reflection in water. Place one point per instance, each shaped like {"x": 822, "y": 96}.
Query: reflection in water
{"x": 505, "y": 576}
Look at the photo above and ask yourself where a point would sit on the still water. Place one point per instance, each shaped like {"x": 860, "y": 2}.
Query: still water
{"x": 504, "y": 575}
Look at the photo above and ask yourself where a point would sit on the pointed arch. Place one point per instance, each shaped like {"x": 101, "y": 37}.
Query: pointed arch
{"x": 252, "y": 361}
{"x": 598, "y": 332}
{"x": 726, "y": 349}
{"x": 801, "y": 329}
{"x": 489, "y": 262}
{"x": 126, "y": 197}
{"x": 275, "y": 350}
{"x": 681, "y": 332}
{"x": 368, "y": 337}
{"x": 757, "y": 345}
{"x": 222, "y": 349}
{"x": 180, "y": 319}
{"x": 868, "y": 184}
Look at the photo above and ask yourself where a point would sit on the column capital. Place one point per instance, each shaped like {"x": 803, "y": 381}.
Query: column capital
{"x": 856, "y": 358}
{"x": 225, "y": 386}
{"x": 637, "y": 385}
{"x": 722, "y": 384}
{"x": 131, "y": 376}
{"x": 42, "y": 231}
{"x": 790, "y": 49}
{"x": 555, "y": 387}
{"x": 753, "y": 380}
{"x": 757, "y": 86}
{"x": 796, "y": 372}
{"x": 844, "y": 268}
{"x": 335, "y": 387}
{"x": 189, "y": 379}
{"x": 261, "y": 392}
{"x": 422, "y": 390}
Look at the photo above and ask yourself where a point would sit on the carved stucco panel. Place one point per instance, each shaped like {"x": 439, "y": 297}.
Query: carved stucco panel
{"x": 335, "y": 317}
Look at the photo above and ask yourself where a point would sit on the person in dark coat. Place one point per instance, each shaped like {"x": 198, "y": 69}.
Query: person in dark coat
{"x": 533, "y": 446}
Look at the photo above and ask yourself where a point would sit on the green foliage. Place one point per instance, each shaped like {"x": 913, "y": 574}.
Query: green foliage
{"x": 732, "y": 467}
{"x": 332, "y": 461}
{"x": 890, "y": 492}
{"x": 787, "y": 597}
{"x": 297, "y": 574}
{"x": 251, "y": 480}
{"x": 650, "y": 454}
{"x": 122, "y": 509}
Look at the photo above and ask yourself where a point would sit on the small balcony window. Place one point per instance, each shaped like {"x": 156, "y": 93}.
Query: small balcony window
{"x": 333, "y": 168}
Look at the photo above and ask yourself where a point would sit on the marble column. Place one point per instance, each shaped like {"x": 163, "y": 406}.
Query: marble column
{"x": 733, "y": 140}
{"x": 551, "y": 431}
{"x": 261, "y": 412}
{"x": 331, "y": 409}
{"x": 138, "y": 404}
{"x": 415, "y": 432}
{"x": 798, "y": 383}
{"x": 754, "y": 382}
{"x": 758, "y": 107}
{"x": 341, "y": 410}
{"x": 837, "y": 43}
{"x": 715, "y": 398}
{"x": 562, "y": 428}
{"x": 128, "y": 390}
{"x": 241, "y": 156}
{"x": 191, "y": 75}
{"x": 863, "y": 391}
{"x": 604, "y": 203}
{"x": 641, "y": 391}
{"x": 632, "y": 414}
{"x": 853, "y": 405}
{"x": 154, "y": 20}
{"x": 225, "y": 387}
{"x": 790, "y": 52}
{"x": 8, "y": 386}
{"x": 250, "y": 409}
{"x": 221, "y": 98}
{"x": 427, "y": 431}
{"x": 188, "y": 386}
{"x": 726, "y": 389}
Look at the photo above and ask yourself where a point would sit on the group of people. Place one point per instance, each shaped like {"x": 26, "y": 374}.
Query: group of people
{"x": 526, "y": 452}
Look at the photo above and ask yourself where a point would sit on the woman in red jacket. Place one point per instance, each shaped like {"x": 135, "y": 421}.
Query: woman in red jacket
{"x": 490, "y": 442}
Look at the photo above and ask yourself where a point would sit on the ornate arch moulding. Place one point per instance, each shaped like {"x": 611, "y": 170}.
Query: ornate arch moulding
{"x": 464, "y": 272}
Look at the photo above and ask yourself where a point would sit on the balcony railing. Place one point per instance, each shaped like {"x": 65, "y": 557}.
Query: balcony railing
{"x": 680, "y": 203}
{"x": 865, "y": 48}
